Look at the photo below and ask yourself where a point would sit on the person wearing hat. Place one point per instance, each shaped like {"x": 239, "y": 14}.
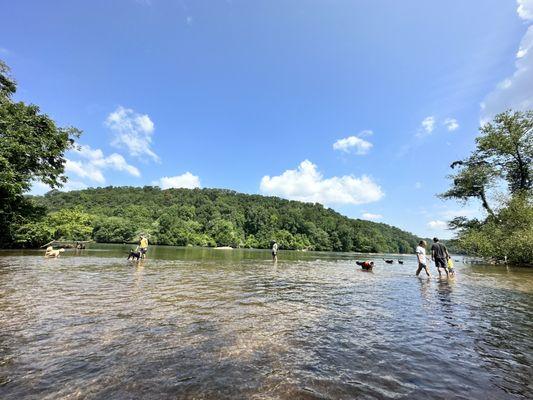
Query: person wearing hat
{"x": 275, "y": 251}
{"x": 143, "y": 246}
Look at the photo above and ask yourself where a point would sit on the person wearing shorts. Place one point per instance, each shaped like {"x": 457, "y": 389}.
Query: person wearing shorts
{"x": 422, "y": 258}
{"x": 275, "y": 251}
{"x": 143, "y": 246}
{"x": 439, "y": 253}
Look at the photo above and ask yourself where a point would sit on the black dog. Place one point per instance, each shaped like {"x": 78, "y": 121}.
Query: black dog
{"x": 400, "y": 262}
{"x": 134, "y": 255}
{"x": 389, "y": 261}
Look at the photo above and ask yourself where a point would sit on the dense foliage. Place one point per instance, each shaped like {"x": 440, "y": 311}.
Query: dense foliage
{"x": 206, "y": 217}
{"x": 31, "y": 148}
{"x": 503, "y": 158}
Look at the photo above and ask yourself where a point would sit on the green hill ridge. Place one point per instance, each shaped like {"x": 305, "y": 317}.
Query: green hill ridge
{"x": 207, "y": 217}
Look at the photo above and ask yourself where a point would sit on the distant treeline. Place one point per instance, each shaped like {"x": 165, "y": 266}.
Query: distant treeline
{"x": 205, "y": 217}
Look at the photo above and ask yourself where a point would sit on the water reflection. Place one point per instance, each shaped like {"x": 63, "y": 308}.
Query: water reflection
{"x": 243, "y": 326}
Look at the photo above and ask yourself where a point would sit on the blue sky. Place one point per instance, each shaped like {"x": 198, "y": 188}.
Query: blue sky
{"x": 361, "y": 105}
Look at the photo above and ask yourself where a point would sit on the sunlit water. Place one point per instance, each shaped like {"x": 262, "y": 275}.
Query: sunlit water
{"x": 214, "y": 324}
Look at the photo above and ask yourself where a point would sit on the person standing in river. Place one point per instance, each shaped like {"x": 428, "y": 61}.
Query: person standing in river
{"x": 143, "y": 246}
{"x": 439, "y": 254}
{"x": 422, "y": 258}
{"x": 275, "y": 251}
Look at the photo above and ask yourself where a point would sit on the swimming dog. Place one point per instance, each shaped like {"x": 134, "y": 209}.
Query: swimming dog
{"x": 134, "y": 255}
{"x": 366, "y": 265}
{"x": 388, "y": 261}
{"x": 51, "y": 253}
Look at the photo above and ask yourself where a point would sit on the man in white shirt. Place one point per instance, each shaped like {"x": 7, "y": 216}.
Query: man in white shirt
{"x": 422, "y": 258}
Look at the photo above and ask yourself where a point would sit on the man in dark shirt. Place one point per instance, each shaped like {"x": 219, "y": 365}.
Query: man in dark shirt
{"x": 439, "y": 253}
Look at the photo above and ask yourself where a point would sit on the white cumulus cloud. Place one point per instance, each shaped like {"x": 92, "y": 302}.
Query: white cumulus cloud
{"x": 186, "y": 180}
{"x": 451, "y": 124}
{"x": 114, "y": 161}
{"x": 132, "y": 131}
{"x": 84, "y": 170}
{"x": 307, "y": 184}
{"x": 437, "y": 225}
{"x": 515, "y": 92}
{"x": 38, "y": 188}
{"x": 92, "y": 162}
{"x": 354, "y": 144}
{"x": 525, "y": 9}
{"x": 371, "y": 217}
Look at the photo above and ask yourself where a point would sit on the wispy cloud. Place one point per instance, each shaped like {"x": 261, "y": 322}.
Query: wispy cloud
{"x": 132, "y": 131}
{"x": 437, "y": 225}
{"x": 428, "y": 124}
{"x": 371, "y": 217}
{"x": 354, "y": 144}
{"x": 307, "y": 184}
{"x": 186, "y": 180}
{"x": 452, "y": 213}
{"x": 515, "y": 92}
{"x": 451, "y": 124}
{"x": 426, "y": 127}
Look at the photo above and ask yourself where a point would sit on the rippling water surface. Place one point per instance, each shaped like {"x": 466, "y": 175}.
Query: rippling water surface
{"x": 214, "y": 324}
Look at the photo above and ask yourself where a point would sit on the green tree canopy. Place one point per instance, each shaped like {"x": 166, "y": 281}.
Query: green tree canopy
{"x": 209, "y": 217}
{"x": 504, "y": 151}
{"x": 32, "y": 148}
{"x": 503, "y": 158}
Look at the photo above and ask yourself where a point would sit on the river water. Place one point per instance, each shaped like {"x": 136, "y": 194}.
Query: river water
{"x": 215, "y": 324}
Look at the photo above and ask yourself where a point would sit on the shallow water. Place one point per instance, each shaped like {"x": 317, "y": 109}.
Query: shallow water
{"x": 215, "y": 324}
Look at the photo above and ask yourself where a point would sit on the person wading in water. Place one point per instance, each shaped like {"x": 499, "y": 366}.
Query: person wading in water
{"x": 439, "y": 253}
{"x": 422, "y": 258}
{"x": 275, "y": 251}
{"x": 143, "y": 246}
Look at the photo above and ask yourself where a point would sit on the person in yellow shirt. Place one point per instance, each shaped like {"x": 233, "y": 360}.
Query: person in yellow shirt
{"x": 143, "y": 246}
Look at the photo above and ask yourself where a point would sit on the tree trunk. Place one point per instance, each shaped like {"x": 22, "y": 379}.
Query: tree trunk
{"x": 486, "y": 203}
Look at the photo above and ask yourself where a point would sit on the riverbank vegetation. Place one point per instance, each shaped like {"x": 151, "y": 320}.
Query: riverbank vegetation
{"x": 205, "y": 217}
{"x": 501, "y": 169}
{"x": 32, "y": 148}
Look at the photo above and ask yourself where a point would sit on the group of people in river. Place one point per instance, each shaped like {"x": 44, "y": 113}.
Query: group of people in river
{"x": 439, "y": 254}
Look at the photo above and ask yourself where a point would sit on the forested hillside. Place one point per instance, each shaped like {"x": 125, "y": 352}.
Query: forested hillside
{"x": 206, "y": 217}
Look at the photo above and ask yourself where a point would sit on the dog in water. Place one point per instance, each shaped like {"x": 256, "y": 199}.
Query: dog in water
{"x": 51, "y": 253}
{"x": 366, "y": 265}
{"x": 134, "y": 255}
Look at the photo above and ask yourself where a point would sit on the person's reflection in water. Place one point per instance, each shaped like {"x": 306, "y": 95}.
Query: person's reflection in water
{"x": 425, "y": 284}
{"x": 444, "y": 295}
{"x": 139, "y": 272}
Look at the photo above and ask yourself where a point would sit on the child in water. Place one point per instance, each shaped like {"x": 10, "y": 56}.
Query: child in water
{"x": 450, "y": 267}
